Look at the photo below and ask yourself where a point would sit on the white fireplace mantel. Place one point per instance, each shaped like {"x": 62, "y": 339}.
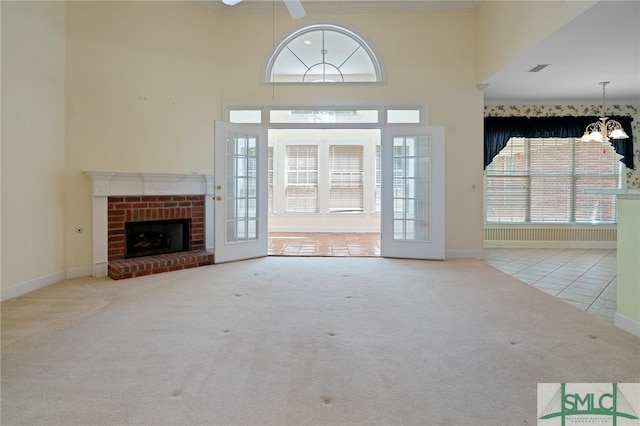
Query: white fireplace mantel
{"x": 113, "y": 184}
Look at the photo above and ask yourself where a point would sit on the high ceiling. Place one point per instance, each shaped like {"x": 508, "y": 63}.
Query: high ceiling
{"x": 602, "y": 44}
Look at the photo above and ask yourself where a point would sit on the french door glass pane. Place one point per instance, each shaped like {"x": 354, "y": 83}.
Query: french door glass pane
{"x": 242, "y": 189}
{"x": 411, "y": 188}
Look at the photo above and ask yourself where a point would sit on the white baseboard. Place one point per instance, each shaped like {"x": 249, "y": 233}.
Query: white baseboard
{"x": 82, "y": 271}
{"x": 20, "y": 289}
{"x": 464, "y": 254}
{"x": 627, "y": 324}
{"x": 25, "y": 287}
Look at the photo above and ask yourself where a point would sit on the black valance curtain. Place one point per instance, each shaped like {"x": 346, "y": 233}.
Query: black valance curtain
{"x": 498, "y": 131}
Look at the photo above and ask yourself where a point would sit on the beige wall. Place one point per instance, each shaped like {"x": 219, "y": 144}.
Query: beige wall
{"x": 144, "y": 82}
{"x": 418, "y": 68}
{"x": 33, "y": 141}
{"x": 507, "y": 29}
{"x": 142, "y": 94}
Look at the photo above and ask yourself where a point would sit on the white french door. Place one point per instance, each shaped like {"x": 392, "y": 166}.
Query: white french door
{"x": 240, "y": 192}
{"x": 413, "y": 211}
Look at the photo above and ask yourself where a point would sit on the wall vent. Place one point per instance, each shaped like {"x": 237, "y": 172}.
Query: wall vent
{"x": 538, "y": 68}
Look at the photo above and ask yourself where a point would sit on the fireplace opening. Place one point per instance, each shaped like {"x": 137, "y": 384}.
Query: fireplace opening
{"x": 154, "y": 237}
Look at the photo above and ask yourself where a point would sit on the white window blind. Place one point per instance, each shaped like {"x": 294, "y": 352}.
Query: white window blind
{"x": 270, "y": 178}
{"x": 597, "y": 167}
{"x": 301, "y": 190}
{"x": 543, "y": 180}
{"x": 346, "y": 174}
{"x": 378, "y": 183}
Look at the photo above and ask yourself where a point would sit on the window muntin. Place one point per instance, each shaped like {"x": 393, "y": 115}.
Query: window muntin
{"x": 543, "y": 180}
{"x": 411, "y": 188}
{"x": 325, "y": 54}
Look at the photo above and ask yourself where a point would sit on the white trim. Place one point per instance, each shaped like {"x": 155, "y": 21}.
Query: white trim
{"x": 80, "y": 271}
{"x": 25, "y": 287}
{"x": 627, "y": 324}
{"x": 265, "y": 107}
{"x": 268, "y": 74}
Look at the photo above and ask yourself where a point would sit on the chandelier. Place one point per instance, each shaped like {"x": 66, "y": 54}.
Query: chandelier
{"x": 605, "y": 129}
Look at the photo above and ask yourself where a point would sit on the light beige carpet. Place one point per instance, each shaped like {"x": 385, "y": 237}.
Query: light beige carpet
{"x": 300, "y": 341}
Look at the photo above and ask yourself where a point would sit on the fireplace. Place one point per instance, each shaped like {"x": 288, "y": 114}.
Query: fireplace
{"x": 153, "y": 198}
{"x": 154, "y": 237}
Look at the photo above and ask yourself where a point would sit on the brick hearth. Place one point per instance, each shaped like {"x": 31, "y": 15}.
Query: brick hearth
{"x": 148, "y": 208}
{"x": 139, "y": 266}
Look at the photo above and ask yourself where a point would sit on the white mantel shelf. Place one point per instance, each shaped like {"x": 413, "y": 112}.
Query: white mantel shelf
{"x": 121, "y": 184}
{"x": 111, "y": 183}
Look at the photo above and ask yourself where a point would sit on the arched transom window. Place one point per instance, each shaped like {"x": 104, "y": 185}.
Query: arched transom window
{"x": 325, "y": 54}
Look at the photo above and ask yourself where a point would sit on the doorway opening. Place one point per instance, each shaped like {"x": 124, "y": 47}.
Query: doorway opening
{"x": 324, "y": 192}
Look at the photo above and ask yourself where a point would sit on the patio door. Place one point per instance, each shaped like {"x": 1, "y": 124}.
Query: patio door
{"x": 240, "y": 191}
{"x": 412, "y": 169}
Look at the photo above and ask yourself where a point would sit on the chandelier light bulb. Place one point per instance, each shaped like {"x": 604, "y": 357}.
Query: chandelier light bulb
{"x": 605, "y": 129}
{"x": 618, "y": 134}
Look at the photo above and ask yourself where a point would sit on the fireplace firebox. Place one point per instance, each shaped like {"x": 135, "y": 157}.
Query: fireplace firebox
{"x": 153, "y": 237}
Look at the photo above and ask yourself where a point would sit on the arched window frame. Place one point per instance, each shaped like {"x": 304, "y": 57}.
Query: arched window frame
{"x": 268, "y": 74}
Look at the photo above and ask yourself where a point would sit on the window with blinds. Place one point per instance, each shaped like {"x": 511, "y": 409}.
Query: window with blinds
{"x": 301, "y": 184}
{"x": 346, "y": 178}
{"x": 543, "y": 180}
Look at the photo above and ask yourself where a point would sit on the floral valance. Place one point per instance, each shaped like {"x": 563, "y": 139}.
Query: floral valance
{"x": 498, "y": 131}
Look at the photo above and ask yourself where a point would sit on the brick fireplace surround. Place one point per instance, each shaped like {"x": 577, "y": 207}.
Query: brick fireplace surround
{"x": 122, "y": 197}
{"x": 148, "y": 208}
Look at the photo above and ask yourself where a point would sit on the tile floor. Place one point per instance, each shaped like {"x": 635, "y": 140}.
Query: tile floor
{"x": 362, "y": 244}
{"x": 585, "y": 278}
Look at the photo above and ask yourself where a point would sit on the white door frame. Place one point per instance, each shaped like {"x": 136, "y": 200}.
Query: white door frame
{"x": 240, "y": 192}
{"x": 263, "y": 110}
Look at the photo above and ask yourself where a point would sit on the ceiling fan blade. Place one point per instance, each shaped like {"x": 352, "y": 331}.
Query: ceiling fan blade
{"x": 295, "y": 8}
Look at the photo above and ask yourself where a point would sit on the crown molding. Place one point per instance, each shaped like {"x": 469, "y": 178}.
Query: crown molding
{"x": 258, "y": 7}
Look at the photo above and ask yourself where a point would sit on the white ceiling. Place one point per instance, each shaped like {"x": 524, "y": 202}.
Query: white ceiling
{"x": 602, "y": 44}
